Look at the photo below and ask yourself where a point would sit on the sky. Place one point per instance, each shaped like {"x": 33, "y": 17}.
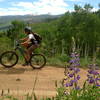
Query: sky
{"x": 37, "y": 7}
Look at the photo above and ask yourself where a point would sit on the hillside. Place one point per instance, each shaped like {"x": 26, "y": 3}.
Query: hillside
{"x": 5, "y": 20}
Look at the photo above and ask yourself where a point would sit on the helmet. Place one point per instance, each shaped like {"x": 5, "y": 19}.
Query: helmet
{"x": 27, "y": 29}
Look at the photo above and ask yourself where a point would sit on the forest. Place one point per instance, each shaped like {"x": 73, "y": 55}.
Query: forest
{"x": 83, "y": 24}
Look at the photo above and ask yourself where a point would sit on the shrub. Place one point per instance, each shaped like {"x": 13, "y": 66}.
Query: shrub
{"x": 5, "y": 44}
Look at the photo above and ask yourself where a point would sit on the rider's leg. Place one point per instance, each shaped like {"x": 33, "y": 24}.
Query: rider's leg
{"x": 31, "y": 49}
{"x": 27, "y": 57}
{"x": 29, "y": 52}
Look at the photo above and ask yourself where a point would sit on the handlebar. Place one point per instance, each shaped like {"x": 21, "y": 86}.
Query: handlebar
{"x": 19, "y": 46}
{"x": 17, "y": 42}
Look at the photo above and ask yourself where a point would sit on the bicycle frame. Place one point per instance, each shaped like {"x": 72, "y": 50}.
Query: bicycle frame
{"x": 21, "y": 50}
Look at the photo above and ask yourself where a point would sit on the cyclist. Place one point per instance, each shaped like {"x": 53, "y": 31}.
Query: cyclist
{"x": 31, "y": 42}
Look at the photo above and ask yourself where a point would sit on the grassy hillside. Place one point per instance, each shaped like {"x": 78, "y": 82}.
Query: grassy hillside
{"x": 6, "y": 20}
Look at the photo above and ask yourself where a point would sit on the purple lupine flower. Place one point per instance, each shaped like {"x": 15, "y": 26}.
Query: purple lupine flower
{"x": 71, "y": 68}
{"x": 78, "y": 64}
{"x": 98, "y": 78}
{"x": 91, "y": 81}
{"x": 77, "y": 55}
{"x": 77, "y": 59}
{"x": 98, "y": 84}
{"x": 71, "y": 84}
{"x": 89, "y": 76}
{"x": 78, "y": 77}
{"x": 93, "y": 75}
{"x": 90, "y": 71}
{"x": 72, "y": 61}
{"x": 73, "y": 55}
{"x": 71, "y": 75}
{"x": 73, "y": 81}
{"x": 77, "y": 88}
{"x": 95, "y": 72}
{"x": 67, "y": 85}
{"x": 77, "y": 70}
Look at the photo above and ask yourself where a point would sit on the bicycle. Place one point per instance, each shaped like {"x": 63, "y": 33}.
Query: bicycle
{"x": 10, "y": 58}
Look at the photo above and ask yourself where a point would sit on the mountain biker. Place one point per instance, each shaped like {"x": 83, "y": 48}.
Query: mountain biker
{"x": 31, "y": 42}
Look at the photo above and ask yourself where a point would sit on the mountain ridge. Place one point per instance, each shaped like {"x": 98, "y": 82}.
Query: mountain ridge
{"x": 30, "y": 18}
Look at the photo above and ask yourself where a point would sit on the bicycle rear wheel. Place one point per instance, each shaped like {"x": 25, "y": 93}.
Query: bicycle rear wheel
{"x": 37, "y": 61}
{"x": 8, "y": 59}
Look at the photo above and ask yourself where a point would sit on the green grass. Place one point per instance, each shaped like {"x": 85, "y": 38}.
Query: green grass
{"x": 88, "y": 92}
{"x": 58, "y": 60}
{"x": 84, "y": 62}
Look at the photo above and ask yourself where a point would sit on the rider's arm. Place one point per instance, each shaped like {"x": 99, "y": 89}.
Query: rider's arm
{"x": 26, "y": 42}
{"x": 31, "y": 36}
{"x": 24, "y": 39}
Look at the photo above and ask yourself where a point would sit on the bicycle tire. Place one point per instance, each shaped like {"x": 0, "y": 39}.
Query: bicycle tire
{"x": 33, "y": 64}
{"x": 4, "y": 54}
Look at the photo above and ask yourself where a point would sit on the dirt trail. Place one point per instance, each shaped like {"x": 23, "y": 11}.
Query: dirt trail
{"x": 21, "y": 80}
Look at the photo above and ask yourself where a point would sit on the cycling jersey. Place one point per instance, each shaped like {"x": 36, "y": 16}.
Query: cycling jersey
{"x": 32, "y": 38}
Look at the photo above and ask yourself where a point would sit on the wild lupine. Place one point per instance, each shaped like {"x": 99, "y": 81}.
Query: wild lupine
{"x": 93, "y": 75}
{"x": 71, "y": 73}
{"x": 72, "y": 69}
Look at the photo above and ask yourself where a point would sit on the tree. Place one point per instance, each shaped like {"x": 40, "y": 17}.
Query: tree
{"x": 78, "y": 8}
{"x": 88, "y": 7}
{"x": 16, "y": 30}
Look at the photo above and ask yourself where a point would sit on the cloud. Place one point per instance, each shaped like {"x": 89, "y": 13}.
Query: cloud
{"x": 75, "y": 0}
{"x": 2, "y": 0}
{"x": 44, "y": 6}
{"x": 23, "y": 4}
{"x": 95, "y": 9}
{"x": 53, "y": 7}
{"x": 14, "y": 11}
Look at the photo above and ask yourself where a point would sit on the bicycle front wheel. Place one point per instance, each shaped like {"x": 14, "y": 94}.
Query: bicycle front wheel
{"x": 37, "y": 61}
{"x": 8, "y": 59}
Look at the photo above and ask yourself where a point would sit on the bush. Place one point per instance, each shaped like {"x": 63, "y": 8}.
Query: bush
{"x": 63, "y": 57}
{"x": 5, "y": 44}
{"x": 86, "y": 93}
{"x": 85, "y": 62}
{"x": 53, "y": 61}
{"x": 58, "y": 60}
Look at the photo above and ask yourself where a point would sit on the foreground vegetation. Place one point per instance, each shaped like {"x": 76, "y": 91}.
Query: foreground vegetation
{"x": 86, "y": 93}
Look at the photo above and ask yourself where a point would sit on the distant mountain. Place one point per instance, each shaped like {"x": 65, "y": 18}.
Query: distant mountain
{"x": 27, "y": 18}
{"x": 2, "y": 28}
